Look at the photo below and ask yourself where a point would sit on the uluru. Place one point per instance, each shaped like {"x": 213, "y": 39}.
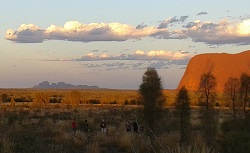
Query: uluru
{"x": 221, "y": 65}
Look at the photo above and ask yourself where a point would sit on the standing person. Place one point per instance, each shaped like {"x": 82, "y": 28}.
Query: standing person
{"x": 135, "y": 126}
{"x": 141, "y": 128}
{"x": 128, "y": 127}
{"x": 86, "y": 126}
{"x": 103, "y": 127}
{"x": 73, "y": 125}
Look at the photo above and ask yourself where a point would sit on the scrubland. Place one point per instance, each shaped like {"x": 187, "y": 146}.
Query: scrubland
{"x": 27, "y": 128}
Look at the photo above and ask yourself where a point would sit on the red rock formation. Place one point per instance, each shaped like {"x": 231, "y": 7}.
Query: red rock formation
{"x": 222, "y": 66}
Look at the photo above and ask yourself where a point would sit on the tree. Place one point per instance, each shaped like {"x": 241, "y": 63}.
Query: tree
{"x": 151, "y": 94}
{"x": 231, "y": 88}
{"x": 4, "y": 98}
{"x": 183, "y": 108}
{"x": 245, "y": 91}
{"x": 207, "y": 87}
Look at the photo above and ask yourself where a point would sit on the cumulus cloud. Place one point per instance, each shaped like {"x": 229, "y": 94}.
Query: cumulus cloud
{"x": 139, "y": 55}
{"x": 75, "y": 31}
{"x": 27, "y": 34}
{"x": 223, "y": 32}
{"x": 202, "y": 13}
{"x": 212, "y": 33}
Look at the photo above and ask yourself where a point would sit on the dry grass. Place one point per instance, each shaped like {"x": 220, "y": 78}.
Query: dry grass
{"x": 48, "y": 129}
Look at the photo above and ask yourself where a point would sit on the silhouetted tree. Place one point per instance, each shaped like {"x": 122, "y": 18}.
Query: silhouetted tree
{"x": 151, "y": 94}
{"x": 207, "y": 88}
{"x": 245, "y": 91}
{"x": 231, "y": 89}
{"x": 183, "y": 108}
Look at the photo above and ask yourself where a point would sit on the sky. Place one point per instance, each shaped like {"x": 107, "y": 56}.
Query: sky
{"x": 111, "y": 43}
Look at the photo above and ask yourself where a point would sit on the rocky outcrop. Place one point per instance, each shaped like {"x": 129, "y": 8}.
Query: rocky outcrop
{"x": 62, "y": 85}
{"x": 222, "y": 66}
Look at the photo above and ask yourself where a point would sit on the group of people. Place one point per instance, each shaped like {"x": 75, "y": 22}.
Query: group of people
{"x": 85, "y": 125}
{"x": 135, "y": 127}
{"x": 103, "y": 126}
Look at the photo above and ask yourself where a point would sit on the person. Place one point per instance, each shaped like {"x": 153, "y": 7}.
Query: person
{"x": 86, "y": 126}
{"x": 128, "y": 126}
{"x": 73, "y": 125}
{"x": 135, "y": 127}
{"x": 103, "y": 127}
{"x": 141, "y": 128}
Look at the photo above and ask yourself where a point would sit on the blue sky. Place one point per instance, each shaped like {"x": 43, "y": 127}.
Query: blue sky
{"x": 111, "y": 43}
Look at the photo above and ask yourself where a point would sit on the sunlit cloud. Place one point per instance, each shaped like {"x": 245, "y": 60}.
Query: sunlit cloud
{"x": 75, "y": 31}
{"x": 212, "y": 33}
{"x": 27, "y": 34}
{"x": 139, "y": 55}
{"x": 220, "y": 33}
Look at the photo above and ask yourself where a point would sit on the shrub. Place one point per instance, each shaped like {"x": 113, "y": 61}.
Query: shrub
{"x": 94, "y": 101}
{"x": 5, "y": 98}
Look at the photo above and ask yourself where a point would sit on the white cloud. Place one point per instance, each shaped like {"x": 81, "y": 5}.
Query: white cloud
{"x": 140, "y": 55}
{"x": 75, "y": 31}
{"x": 223, "y": 32}
{"x": 26, "y": 33}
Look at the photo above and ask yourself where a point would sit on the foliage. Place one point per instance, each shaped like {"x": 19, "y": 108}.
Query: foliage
{"x": 23, "y": 99}
{"x": 93, "y": 101}
{"x": 207, "y": 88}
{"x": 236, "y": 132}
{"x": 245, "y": 91}
{"x": 183, "y": 110}
{"x": 231, "y": 89}
{"x": 151, "y": 93}
{"x": 40, "y": 99}
{"x": 73, "y": 98}
{"x": 5, "y": 98}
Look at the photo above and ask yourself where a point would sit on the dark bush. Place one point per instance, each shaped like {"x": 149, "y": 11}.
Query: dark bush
{"x": 22, "y": 99}
{"x": 94, "y": 101}
{"x": 55, "y": 100}
{"x": 5, "y": 98}
{"x": 236, "y": 136}
{"x": 133, "y": 102}
{"x": 200, "y": 103}
{"x": 114, "y": 102}
{"x": 126, "y": 102}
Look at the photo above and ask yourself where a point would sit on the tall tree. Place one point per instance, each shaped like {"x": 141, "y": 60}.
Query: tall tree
{"x": 183, "y": 108}
{"x": 207, "y": 87}
{"x": 245, "y": 91}
{"x": 151, "y": 94}
{"x": 231, "y": 89}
